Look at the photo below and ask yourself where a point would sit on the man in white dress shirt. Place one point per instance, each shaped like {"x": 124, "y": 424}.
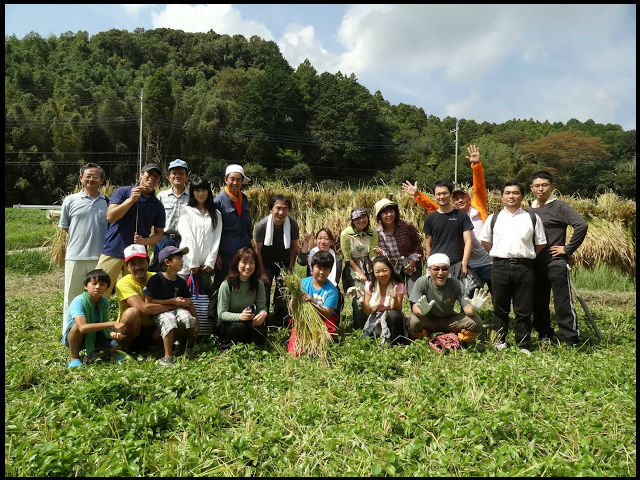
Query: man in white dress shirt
{"x": 513, "y": 240}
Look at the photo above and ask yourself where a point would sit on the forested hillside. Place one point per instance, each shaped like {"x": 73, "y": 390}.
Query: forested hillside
{"x": 215, "y": 99}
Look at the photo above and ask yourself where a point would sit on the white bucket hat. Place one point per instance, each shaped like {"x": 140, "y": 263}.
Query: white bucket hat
{"x": 237, "y": 169}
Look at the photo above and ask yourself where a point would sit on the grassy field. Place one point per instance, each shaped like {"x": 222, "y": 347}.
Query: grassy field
{"x": 366, "y": 411}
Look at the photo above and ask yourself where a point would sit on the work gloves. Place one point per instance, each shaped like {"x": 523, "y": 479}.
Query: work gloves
{"x": 424, "y": 306}
{"x": 479, "y": 299}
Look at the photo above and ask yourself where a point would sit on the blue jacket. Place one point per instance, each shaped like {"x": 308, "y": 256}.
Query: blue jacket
{"x": 236, "y": 231}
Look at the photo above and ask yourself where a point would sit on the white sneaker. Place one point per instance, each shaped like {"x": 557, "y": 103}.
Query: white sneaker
{"x": 501, "y": 346}
{"x": 525, "y": 351}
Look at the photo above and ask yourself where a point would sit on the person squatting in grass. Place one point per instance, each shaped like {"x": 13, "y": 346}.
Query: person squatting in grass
{"x": 276, "y": 245}
{"x": 382, "y": 303}
{"x": 321, "y": 293}
{"x": 242, "y": 311}
{"x": 325, "y": 242}
{"x": 476, "y": 208}
{"x": 358, "y": 242}
{"x": 434, "y": 297}
{"x": 87, "y": 326}
{"x": 168, "y": 288}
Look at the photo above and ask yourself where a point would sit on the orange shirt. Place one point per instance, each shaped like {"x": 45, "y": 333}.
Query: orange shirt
{"x": 237, "y": 202}
{"x": 478, "y": 201}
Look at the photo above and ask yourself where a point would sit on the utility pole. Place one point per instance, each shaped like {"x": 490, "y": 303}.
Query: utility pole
{"x": 140, "y": 141}
{"x": 455, "y": 174}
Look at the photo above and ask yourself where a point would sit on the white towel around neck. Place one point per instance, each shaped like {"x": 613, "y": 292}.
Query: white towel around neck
{"x": 286, "y": 232}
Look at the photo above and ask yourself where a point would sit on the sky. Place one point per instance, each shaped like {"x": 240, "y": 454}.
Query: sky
{"x": 478, "y": 62}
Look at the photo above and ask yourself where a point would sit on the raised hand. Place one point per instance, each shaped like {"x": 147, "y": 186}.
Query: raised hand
{"x": 409, "y": 188}
{"x": 474, "y": 154}
{"x": 424, "y": 306}
{"x": 479, "y": 298}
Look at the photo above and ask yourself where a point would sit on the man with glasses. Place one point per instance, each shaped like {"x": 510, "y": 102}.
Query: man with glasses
{"x": 513, "y": 240}
{"x": 434, "y": 296}
{"x": 552, "y": 268}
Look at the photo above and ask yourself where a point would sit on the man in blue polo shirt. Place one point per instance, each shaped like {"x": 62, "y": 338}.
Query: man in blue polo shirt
{"x": 84, "y": 217}
{"x": 131, "y": 213}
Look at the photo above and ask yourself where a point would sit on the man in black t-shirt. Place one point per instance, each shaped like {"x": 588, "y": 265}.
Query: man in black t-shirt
{"x": 448, "y": 231}
{"x": 276, "y": 244}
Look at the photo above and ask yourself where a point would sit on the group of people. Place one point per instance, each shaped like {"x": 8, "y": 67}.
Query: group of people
{"x": 519, "y": 255}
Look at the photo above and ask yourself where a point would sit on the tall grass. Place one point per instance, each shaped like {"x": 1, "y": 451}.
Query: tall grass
{"x": 603, "y": 277}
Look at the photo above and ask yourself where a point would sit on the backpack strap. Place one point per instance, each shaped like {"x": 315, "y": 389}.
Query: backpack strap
{"x": 533, "y": 222}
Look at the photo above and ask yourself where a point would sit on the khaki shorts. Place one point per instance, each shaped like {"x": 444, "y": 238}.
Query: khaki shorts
{"x": 113, "y": 266}
{"x": 173, "y": 319}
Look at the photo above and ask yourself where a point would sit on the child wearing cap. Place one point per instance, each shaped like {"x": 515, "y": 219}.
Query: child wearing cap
{"x": 168, "y": 288}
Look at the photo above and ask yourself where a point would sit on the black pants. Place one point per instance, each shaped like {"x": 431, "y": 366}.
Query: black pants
{"x": 397, "y": 325}
{"x": 554, "y": 276}
{"x": 240, "y": 332}
{"x": 280, "y": 311}
{"x": 513, "y": 283}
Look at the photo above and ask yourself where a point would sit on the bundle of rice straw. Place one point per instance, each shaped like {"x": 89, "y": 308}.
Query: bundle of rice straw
{"x": 311, "y": 335}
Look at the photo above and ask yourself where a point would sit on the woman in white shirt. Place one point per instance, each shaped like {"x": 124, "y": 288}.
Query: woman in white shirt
{"x": 200, "y": 227}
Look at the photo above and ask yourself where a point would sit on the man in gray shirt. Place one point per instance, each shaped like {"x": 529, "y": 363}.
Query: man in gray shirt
{"x": 84, "y": 217}
{"x": 552, "y": 269}
{"x": 174, "y": 200}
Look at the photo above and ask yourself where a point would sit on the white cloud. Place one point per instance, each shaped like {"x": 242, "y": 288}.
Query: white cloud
{"x": 461, "y": 108}
{"x": 221, "y": 18}
{"x": 299, "y": 43}
{"x": 134, "y": 9}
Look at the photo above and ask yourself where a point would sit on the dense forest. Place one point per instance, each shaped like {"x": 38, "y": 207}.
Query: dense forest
{"x": 215, "y": 99}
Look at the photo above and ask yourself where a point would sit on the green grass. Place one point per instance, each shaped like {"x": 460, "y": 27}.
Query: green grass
{"x": 405, "y": 411}
{"x": 26, "y": 228}
{"x": 28, "y": 262}
{"x": 603, "y": 277}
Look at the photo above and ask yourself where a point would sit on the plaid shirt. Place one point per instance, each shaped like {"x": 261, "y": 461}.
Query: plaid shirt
{"x": 405, "y": 241}
{"x": 174, "y": 205}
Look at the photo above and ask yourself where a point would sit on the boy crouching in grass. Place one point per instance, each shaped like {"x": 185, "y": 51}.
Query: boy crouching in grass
{"x": 87, "y": 326}
{"x": 167, "y": 288}
{"x": 322, "y": 294}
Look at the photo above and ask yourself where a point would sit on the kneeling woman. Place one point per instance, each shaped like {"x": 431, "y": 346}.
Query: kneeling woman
{"x": 383, "y": 304}
{"x": 241, "y": 302}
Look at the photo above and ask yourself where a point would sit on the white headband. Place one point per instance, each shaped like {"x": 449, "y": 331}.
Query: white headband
{"x": 438, "y": 258}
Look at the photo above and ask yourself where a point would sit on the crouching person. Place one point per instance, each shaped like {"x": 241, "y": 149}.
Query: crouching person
{"x": 86, "y": 324}
{"x": 434, "y": 296}
{"x": 322, "y": 294}
{"x": 242, "y": 309}
{"x": 382, "y": 302}
{"x": 167, "y": 288}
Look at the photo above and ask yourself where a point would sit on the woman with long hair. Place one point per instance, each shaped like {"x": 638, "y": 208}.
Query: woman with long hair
{"x": 200, "y": 228}
{"x": 241, "y": 302}
{"x": 382, "y": 303}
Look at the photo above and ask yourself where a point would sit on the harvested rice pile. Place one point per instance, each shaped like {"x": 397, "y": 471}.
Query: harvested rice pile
{"x": 312, "y": 336}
